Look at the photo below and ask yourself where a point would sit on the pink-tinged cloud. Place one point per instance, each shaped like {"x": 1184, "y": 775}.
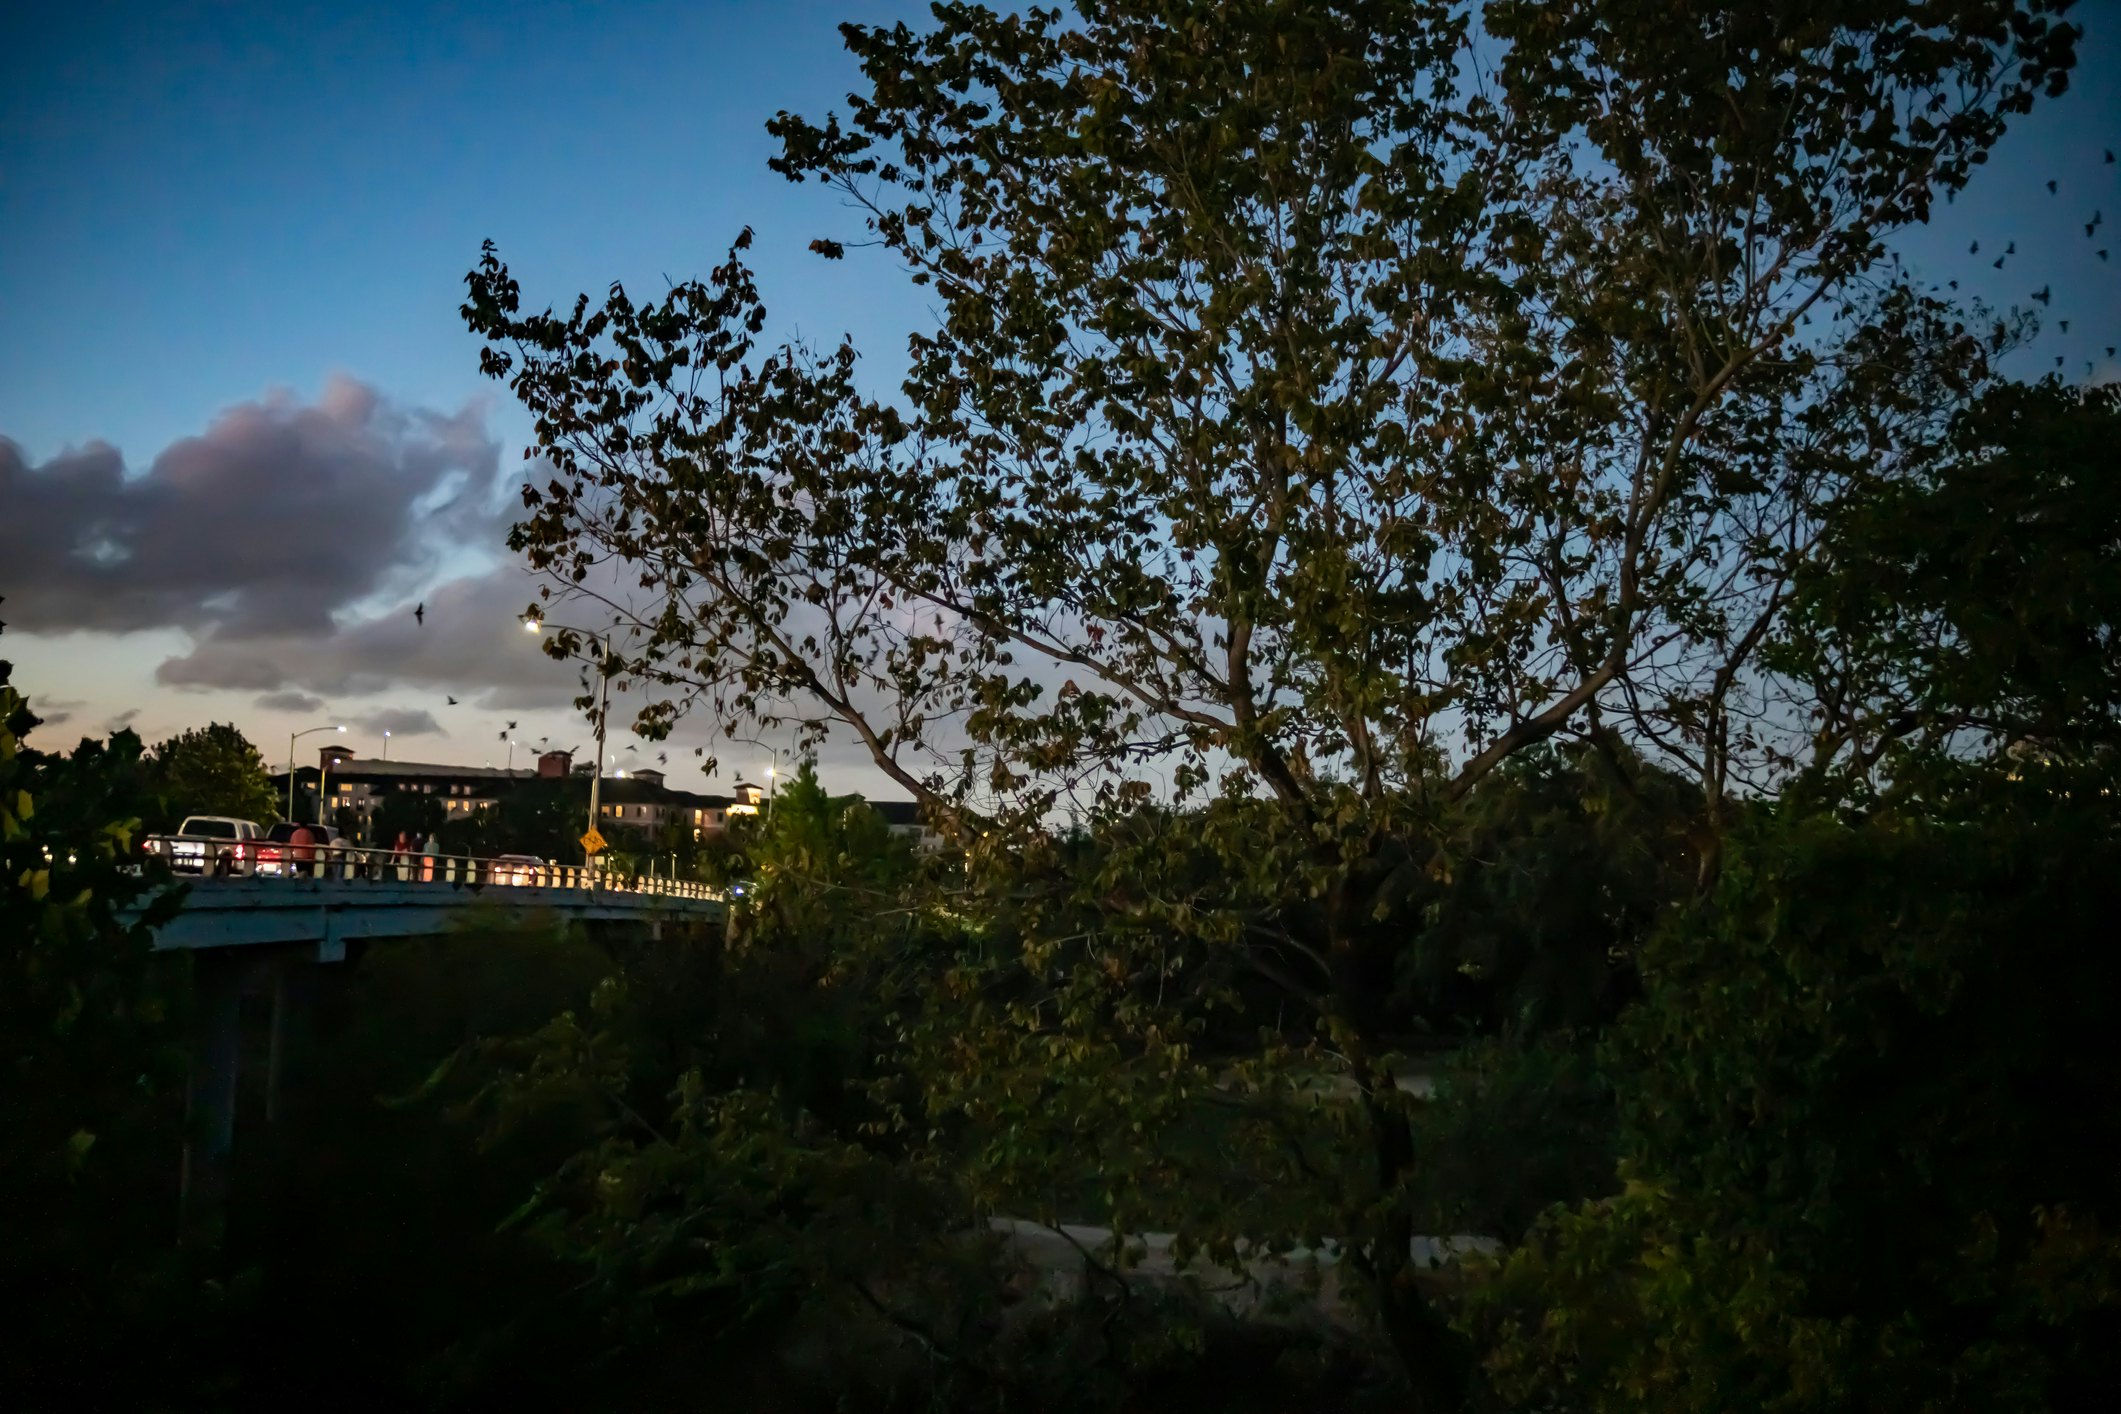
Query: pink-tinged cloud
{"x": 269, "y": 522}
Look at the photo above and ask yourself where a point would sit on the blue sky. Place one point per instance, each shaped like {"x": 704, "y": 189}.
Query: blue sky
{"x": 203, "y": 203}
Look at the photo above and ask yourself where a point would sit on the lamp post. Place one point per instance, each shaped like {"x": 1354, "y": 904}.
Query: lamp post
{"x": 386, "y": 746}
{"x": 294, "y": 737}
{"x": 596, "y": 773}
{"x": 323, "y": 791}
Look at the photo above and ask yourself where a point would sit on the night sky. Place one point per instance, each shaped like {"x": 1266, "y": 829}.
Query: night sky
{"x": 242, "y": 430}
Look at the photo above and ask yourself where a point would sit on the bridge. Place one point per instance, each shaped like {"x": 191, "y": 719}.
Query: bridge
{"x": 257, "y": 915}
{"x": 252, "y": 896}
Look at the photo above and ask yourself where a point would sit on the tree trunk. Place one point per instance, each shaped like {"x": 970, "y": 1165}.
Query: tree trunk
{"x": 1435, "y": 1358}
{"x": 1433, "y": 1355}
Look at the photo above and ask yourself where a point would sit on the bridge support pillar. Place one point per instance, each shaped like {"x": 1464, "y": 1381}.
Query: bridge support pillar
{"x": 210, "y": 1094}
{"x": 276, "y": 1042}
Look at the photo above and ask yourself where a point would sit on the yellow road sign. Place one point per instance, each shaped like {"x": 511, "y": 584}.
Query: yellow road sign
{"x": 592, "y": 843}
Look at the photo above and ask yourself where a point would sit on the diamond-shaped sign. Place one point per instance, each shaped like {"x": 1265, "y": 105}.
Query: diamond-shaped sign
{"x": 592, "y": 843}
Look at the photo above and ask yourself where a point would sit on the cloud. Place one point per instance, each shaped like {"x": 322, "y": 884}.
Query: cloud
{"x": 56, "y": 711}
{"x": 401, "y": 721}
{"x": 123, "y": 719}
{"x": 290, "y": 701}
{"x": 471, "y": 646}
{"x": 270, "y": 522}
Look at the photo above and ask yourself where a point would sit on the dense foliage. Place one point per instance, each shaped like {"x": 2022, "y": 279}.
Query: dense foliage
{"x": 211, "y": 770}
{"x": 91, "y": 1072}
{"x": 1866, "y": 1136}
{"x": 1326, "y": 404}
{"x": 1487, "y": 662}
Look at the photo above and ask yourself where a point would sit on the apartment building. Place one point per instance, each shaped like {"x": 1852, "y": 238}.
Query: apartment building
{"x": 638, "y": 800}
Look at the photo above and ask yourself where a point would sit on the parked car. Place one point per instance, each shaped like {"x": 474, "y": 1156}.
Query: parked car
{"x": 276, "y": 854}
{"x": 516, "y": 868}
{"x": 216, "y": 844}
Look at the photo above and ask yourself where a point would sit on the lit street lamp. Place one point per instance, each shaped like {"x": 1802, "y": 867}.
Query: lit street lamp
{"x": 291, "y": 740}
{"x": 386, "y": 746}
{"x": 596, "y": 774}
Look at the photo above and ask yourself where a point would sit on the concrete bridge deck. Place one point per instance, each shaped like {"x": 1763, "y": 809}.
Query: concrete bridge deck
{"x": 349, "y": 894}
{"x": 238, "y": 912}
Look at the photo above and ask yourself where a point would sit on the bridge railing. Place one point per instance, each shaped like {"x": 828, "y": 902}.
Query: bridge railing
{"x": 263, "y": 859}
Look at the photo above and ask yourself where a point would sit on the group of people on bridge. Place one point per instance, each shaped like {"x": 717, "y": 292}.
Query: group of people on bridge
{"x": 306, "y": 848}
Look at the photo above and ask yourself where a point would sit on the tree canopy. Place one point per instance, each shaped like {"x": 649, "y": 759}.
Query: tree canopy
{"x": 1326, "y": 404}
{"x": 211, "y": 770}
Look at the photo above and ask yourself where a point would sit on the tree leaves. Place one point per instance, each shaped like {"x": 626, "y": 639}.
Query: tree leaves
{"x": 1343, "y": 400}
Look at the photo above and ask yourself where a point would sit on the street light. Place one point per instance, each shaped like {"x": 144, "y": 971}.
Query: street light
{"x": 386, "y": 746}
{"x": 291, "y": 740}
{"x": 596, "y": 774}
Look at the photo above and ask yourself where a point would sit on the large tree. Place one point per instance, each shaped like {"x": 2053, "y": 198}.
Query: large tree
{"x": 1971, "y": 611}
{"x": 1326, "y": 403}
{"x": 212, "y": 770}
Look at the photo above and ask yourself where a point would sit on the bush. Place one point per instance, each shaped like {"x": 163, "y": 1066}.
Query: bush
{"x": 1866, "y": 1128}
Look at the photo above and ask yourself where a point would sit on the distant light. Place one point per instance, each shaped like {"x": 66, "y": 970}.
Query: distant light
{"x": 622, "y": 775}
{"x": 342, "y": 728}
{"x": 531, "y": 625}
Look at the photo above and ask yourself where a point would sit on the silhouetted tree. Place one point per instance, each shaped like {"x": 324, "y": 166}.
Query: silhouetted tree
{"x": 211, "y": 770}
{"x": 1323, "y": 408}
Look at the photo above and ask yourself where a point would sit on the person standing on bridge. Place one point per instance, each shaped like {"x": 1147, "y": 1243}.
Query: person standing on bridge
{"x": 302, "y": 850}
{"x": 401, "y": 855}
{"x": 432, "y": 848}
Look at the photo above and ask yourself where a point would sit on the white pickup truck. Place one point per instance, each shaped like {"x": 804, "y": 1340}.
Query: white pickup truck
{"x": 214, "y": 844}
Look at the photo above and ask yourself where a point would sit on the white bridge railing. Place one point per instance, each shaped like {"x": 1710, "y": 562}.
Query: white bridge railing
{"x": 215, "y": 857}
